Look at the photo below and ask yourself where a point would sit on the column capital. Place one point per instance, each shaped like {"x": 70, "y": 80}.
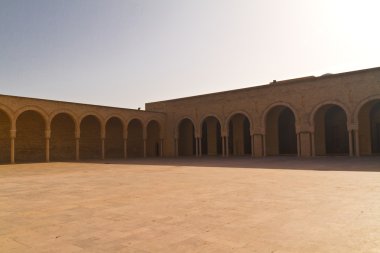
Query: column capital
{"x": 351, "y": 127}
{"x": 47, "y": 134}
{"x": 305, "y": 129}
{"x": 12, "y": 134}
{"x": 257, "y": 132}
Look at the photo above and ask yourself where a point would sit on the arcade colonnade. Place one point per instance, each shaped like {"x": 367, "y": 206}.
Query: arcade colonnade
{"x": 334, "y": 114}
{"x": 30, "y": 134}
{"x": 330, "y": 129}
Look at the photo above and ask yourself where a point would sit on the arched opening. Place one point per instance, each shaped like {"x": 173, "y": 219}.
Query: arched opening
{"x": 114, "y": 142}
{"x": 281, "y": 137}
{"x": 62, "y": 139}
{"x": 90, "y": 140}
{"x": 30, "y": 137}
{"x": 211, "y": 137}
{"x": 331, "y": 135}
{"x": 375, "y": 128}
{"x": 239, "y": 137}
{"x": 369, "y": 128}
{"x": 153, "y": 139}
{"x": 186, "y": 138}
{"x": 5, "y": 141}
{"x": 135, "y": 142}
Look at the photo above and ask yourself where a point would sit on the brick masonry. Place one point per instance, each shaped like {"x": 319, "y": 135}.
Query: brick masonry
{"x": 309, "y": 116}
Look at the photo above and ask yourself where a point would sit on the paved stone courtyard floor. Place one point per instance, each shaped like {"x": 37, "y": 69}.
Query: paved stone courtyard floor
{"x": 220, "y": 205}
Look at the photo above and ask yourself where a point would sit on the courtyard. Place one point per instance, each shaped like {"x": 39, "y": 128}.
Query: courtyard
{"x": 278, "y": 204}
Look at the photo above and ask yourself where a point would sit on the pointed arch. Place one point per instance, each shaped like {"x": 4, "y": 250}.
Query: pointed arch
{"x": 135, "y": 140}
{"x": 280, "y": 120}
{"x": 246, "y": 114}
{"x": 191, "y": 119}
{"x": 239, "y": 128}
{"x": 90, "y": 137}
{"x": 62, "y": 138}
{"x": 68, "y": 112}
{"x": 30, "y": 135}
{"x": 367, "y": 118}
{"x": 5, "y": 127}
{"x": 329, "y": 102}
{"x": 276, "y": 104}
{"x": 34, "y": 108}
{"x": 117, "y": 116}
{"x": 153, "y": 140}
{"x": 217, "y": 117}
{"x": 186, "y": 137}
{"x": 211, "y": 137}
{"x": 10, "y": 114}
{"x": 330, "y": 124}
{"x": 114, "y": 137}
{"x": 91, "y": 113}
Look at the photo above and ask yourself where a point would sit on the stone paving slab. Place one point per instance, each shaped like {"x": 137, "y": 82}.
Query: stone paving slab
{"x": 269, "y": 205}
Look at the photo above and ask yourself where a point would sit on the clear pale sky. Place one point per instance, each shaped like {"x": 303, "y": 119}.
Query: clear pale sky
{"x": 127, "y": 52}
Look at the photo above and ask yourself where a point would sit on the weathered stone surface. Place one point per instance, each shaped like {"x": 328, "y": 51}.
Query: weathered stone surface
{"x": 329, "y": 115}
{"x": 192, "y": 205}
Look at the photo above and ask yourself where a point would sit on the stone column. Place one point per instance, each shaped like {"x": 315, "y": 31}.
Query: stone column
{"x": 77, "y": 143}
{"x": 264, "y": 145}
{"x": 252, "y": 146}
{"x": 227, "y": 147}
{"x": 353, "y": 139}
{"x": 200, "y": 147}
{"x": 47, "y": 149}
{"x": 223, "y": 147}
{"x": 161, "y": 147}
{"x": 103, "y": 140}
{"x": 125, "y": 148}
{"x": 298, "y": 145}
{"x": 13, "y": 137}
{"x": 47, "y": 145}
{"x": 144, "y": 147}
{"x": 125, "y": 141}
{"x": 357, "y": 144}
{"x": 196, "y": 146}
{"x": 176, "y": 147}
{"x": 312, "y": 144}
{"x": 77, "y": 149}
{"x": 304, "y": 143}
{"x": 258, "y": 145}
{"x": 350, "y": 143}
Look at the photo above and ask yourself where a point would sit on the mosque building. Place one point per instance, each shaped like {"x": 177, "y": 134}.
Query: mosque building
{"x": 334, "y": 114}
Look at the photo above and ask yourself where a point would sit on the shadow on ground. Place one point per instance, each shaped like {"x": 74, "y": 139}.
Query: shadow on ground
{"x": 338, "y": 163}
